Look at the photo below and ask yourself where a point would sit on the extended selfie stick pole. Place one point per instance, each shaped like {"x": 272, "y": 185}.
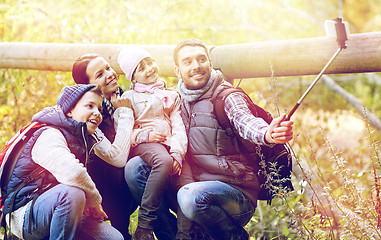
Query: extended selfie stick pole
{"x": 311, "y": 86}
{"x": 341, "y": 39}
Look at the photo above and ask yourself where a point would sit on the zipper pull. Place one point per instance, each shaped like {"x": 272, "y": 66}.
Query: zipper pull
{"x": 85, "y": 141}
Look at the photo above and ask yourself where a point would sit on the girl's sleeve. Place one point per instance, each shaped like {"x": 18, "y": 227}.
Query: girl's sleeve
{"x": 179, "y": 139}
{"x": 116, "y": 153}
{"x": 52, "y": 153}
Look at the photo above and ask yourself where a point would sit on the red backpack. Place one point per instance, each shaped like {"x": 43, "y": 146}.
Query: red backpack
{"x": 8, "y": 159}
{"x": 11, "y": 152}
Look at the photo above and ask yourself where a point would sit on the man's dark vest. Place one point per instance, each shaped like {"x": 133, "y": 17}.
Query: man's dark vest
{"x": 214, "y": 156}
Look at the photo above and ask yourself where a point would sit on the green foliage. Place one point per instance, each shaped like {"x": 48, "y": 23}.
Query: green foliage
{"x": 23, "y": 93}
{"x": 342, "y": 152}
{"x": 155, "y": 22}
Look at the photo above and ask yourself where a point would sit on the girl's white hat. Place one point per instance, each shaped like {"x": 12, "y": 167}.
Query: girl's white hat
{"x": 129, "y": 59}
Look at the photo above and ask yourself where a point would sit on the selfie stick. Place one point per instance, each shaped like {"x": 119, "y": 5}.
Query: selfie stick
{"x": 341, "y": 38}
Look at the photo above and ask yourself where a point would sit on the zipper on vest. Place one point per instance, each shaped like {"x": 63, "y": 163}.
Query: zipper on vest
{"x": 193, "y": 115}
{"x": 190, "y": 116}
{"x": 84, "y": 140}
{"x": 97, "y": 139}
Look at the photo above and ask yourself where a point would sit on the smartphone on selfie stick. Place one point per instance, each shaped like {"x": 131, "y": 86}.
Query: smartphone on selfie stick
{"x": 333, "y": 28}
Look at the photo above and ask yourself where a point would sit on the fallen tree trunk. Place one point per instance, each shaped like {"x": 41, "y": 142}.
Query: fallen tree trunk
{"x": 250, "y": 60}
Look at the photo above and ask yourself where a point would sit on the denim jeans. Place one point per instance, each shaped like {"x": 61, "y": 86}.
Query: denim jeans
{"x": 58, "y": 214}
{"x": 157, "y": 156}
{"x": 117, "y": 200}
{"x": 137, "y": 172}
{"x": 219, "y": 208}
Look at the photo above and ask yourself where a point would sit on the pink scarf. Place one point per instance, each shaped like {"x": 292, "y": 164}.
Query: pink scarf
{"x": 157, "y": 89}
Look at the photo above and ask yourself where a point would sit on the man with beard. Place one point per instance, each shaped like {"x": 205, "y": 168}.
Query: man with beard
{"x": 220, "y": 185}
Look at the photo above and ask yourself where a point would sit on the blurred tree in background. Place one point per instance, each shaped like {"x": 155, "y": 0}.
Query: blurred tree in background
{"x": 218, "y": 22}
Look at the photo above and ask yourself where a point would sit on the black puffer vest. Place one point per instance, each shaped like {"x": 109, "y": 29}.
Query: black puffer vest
{"x": 76, "y": 136}
{"x": 212, "y": 155}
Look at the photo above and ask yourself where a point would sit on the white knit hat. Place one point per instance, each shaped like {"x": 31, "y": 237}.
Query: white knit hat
{"x": 130, "y": 57}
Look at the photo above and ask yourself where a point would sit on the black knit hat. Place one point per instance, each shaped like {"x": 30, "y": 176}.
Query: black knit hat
{"x": 70, "y": 95}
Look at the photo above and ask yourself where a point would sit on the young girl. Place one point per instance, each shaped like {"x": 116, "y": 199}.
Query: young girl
{"x": 159, "y": 136}
{"x": 67, "y": 203}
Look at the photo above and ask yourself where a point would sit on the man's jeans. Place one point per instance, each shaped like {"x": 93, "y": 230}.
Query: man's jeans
{"x": 58, "y": 214}
{"x": 219, "y": 208}
{"x": 136, "y": 173}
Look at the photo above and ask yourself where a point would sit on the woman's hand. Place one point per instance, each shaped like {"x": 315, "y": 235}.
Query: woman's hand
{"x": 118, "y": 101}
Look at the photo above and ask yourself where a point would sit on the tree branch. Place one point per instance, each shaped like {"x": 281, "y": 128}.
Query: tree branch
{"x": 373, "y": 120}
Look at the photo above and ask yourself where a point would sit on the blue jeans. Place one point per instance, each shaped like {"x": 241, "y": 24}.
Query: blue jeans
{"x": 58, "y": 214}
{"x": 137, "y": 173}
{"x": 155, "y": 155}
{"x": 219, "y": 208}
{"x": 117, "y": 199}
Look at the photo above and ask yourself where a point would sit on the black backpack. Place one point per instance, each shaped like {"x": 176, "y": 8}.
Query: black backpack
{"x": 275, "y": 165}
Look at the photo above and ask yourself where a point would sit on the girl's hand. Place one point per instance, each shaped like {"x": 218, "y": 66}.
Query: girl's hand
{"x": 176, "y": 168}
{"x": 156, "y": 137}
{"x": 118, "y": 101}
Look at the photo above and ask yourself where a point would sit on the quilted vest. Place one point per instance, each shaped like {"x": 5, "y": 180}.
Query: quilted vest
{"x": 25, "y": 165}
{"x": 212, "y": 155}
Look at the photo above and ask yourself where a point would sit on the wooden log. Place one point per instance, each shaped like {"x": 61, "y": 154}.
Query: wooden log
{"x": 299, "y": 57}
{"x": 61, "y": 56}
{"x": 250, "y": 60}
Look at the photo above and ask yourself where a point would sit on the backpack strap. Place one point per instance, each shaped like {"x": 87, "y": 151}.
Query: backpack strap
{"x": 219, "y": 110}
{"x": 222, "y": 118}
{"x": 15, "y": 150}
{"x": 9, "y": 163}
{"x": 37, "y": 173}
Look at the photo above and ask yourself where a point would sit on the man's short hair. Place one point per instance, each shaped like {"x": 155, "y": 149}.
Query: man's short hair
{"x": 193, "y": 42}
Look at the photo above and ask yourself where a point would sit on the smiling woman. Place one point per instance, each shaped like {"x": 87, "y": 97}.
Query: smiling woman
{"x": 107, "y": 166}
{"x": 94, "y": 69}
{"x": 101, "y": 74}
